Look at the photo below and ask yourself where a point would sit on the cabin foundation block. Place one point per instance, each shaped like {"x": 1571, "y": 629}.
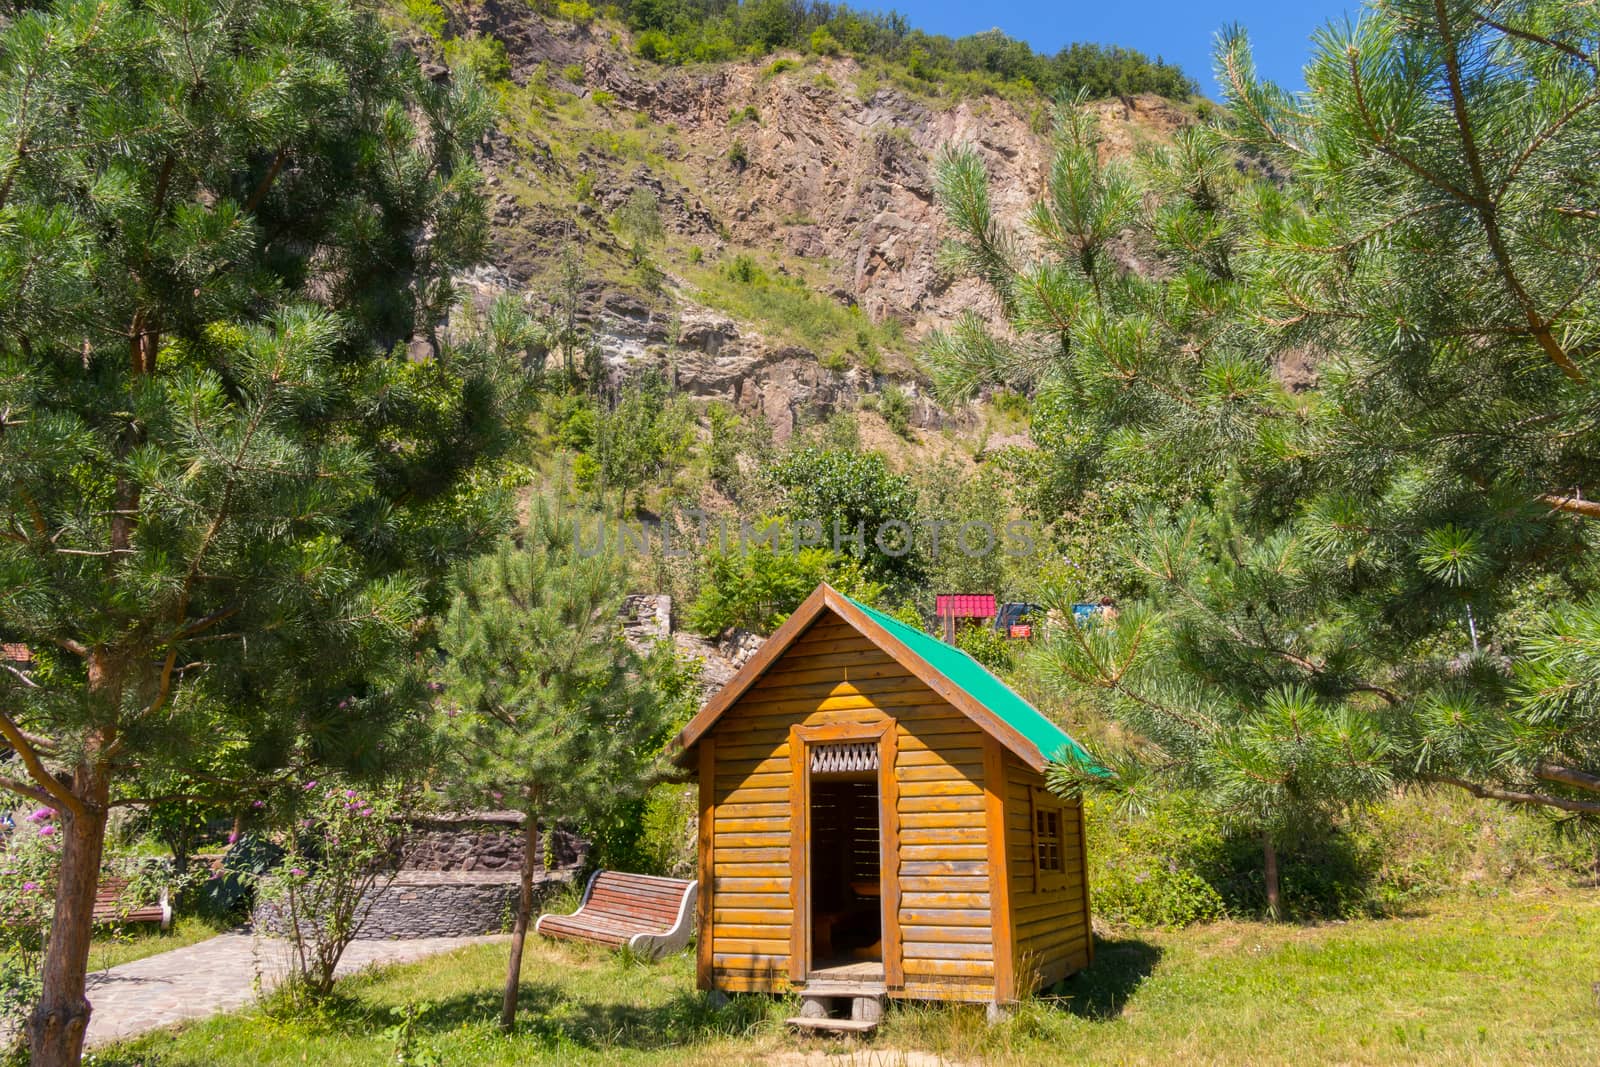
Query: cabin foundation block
{"x": 866, "y": 1009}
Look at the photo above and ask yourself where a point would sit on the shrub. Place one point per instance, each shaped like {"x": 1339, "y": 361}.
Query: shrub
{"x": 987, "y": 646}
{"x": 341, "y": 852}
{"x": 657, "y": 47}
{"x": 722, "y": 451}
{"x": 28, "y": 864}
{"x": 748, "y": 113}
{"x": 484, "y": 55}
{"x": 639, "y": 218}
{"x": 745, "y": 270}
{"x": 602, "y": 99}
{"x": 696, "y": 254}
{"x": 758, "y": 584}
{"x": 824, "y": 43}
{"x": 578, "y": 12}
{"x": 230, "y": 891}
{"x": 843, "y": 490}
{"x": 738, "y": 155}
{"x": 1146, "y": 871}
{"x": 777, "y": 67}
{"x": 573, "y": 73}
{"x": 895, "y": 406}
{"x": 427, "y": 15}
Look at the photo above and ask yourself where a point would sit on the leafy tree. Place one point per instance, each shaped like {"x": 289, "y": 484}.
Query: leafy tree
{"x": 550, "y": 706}
{"x": 757, "y": 584}
{"x": 1400, "y": 540}
{"x": 681, "y": 31}
{"x": 853, "y": 503}
{"x": 644, "y": 438}
{"x": 221, "y": 225}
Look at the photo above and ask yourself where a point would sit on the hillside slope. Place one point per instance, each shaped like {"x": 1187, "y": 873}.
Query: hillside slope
{"x": 793, "y": 267}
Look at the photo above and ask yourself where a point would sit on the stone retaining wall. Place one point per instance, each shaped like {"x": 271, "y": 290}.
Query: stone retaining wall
{"x": 459, "y": 877}
{"x": 438, "y": 904}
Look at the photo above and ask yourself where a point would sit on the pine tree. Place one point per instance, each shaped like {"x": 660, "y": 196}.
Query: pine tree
{"x": 1403, "y": 536}
{"x": 220, "y": 225}
{"x": 550, "y": 708}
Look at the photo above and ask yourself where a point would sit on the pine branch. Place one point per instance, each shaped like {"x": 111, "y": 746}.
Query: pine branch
{"x": 1510, "y": 796}
{"x": 32, "y": 793}
{"x": 1487, "y": 209}
{"x": 1242, "y": 92}
{"x": 265, "y": 185}
{"x": 1572, "y": 505}
{"x": 1550, "y": 772}
{"x": 49, "y": 783}
{"x": 1537, "y": 38}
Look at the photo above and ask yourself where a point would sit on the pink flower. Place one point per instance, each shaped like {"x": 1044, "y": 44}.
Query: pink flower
{"x": 258, "y": 804}
{"x": 42, "y": 815}
{"x": 350, "y": 794}
{"x": 233, "y": 837}
{"x": 311, "y": 785}
{"x": 46, "y": 831}
{"x": 29, "y": 887}
{"x": 298, "y": 872}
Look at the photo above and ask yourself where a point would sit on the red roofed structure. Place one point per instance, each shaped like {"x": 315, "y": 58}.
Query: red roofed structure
{"x": 964, "y": 606}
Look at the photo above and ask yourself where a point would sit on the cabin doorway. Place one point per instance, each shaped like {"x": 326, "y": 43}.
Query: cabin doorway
{"x": 845, "y": 869}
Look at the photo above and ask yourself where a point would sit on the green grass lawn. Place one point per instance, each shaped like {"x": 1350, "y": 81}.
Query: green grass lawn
{"x": 1494, "y": 980}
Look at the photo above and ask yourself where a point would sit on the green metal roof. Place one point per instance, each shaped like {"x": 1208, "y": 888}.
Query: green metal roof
{"x": 974, "y": 678}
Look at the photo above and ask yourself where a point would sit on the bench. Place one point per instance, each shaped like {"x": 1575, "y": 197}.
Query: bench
{"x": 108, "y": 907}
{"x": 651, "y": 916}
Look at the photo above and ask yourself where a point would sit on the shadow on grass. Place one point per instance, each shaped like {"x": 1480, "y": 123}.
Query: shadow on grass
{"x": 1101, "y": 992}
{"x": 551, "y": 1016}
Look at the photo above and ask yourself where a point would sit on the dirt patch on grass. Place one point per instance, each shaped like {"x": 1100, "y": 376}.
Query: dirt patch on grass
{"x": 864, "y": 1057}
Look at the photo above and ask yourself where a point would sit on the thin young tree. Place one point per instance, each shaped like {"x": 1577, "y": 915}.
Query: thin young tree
{"x": 550, "y": 708}
{"x": 220, "y": 224}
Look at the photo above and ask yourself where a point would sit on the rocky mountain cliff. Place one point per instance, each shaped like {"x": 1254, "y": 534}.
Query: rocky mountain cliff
{"x": 818, "y": 169}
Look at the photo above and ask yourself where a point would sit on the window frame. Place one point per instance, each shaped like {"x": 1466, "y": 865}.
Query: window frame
{"x": 1044, "y": 803}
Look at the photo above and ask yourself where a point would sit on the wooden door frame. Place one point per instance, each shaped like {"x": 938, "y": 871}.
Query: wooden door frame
{"x": 801, "y": 738}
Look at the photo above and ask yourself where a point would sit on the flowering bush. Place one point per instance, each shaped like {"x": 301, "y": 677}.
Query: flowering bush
{"x": 29, "y": 857}
{"x": 341, "y": 851}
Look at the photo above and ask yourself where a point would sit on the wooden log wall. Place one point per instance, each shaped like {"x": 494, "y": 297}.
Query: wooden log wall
{"x": 1049, "y": 917}
{"x": 833, "y": 675}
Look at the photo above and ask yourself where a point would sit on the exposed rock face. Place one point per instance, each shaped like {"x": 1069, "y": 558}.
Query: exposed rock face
{"x": 836, "y": 178}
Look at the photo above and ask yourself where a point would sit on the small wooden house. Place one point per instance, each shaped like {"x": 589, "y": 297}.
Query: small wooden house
{"x": 873, "y": 811}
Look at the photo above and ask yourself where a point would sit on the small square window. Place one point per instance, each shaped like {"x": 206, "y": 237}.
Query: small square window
{"x": 1047, "y": 838}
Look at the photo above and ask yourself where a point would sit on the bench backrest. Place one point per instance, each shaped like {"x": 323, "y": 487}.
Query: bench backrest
{"x": 111, "y": 889}
{"x": 639, "y": 898}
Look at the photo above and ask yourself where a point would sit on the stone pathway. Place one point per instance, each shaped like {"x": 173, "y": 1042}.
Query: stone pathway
{"x": 219, "y": 975}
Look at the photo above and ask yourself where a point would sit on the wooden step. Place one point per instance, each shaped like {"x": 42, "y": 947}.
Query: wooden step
{"x": 843, "y": 989}
{"x": 832, "y": 1026}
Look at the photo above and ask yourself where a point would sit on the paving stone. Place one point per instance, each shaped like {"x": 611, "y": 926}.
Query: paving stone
{"x": 220, "y": 975}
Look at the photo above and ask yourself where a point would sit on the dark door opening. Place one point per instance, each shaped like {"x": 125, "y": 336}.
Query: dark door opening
{"x": 846, "y": 887}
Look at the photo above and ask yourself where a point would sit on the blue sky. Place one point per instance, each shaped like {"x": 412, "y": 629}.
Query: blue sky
{"x": 1179, "y": 31}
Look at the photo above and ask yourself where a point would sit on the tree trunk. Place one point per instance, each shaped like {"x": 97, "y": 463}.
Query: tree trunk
{"x": 58, "y": 1024}
{"x": 519, "y": 932}
{"x": 1270, "y": 854}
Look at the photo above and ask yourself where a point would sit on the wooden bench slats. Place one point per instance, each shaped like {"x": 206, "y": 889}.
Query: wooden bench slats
{"x": 108, "y": 909}
{"x": 647, "y": 913}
